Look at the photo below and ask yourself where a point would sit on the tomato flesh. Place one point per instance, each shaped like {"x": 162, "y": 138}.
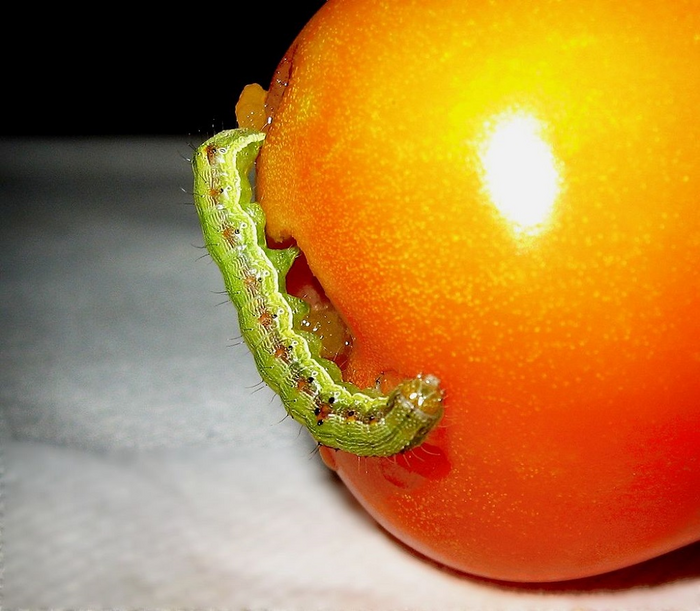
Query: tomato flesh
{"x": 506, "y": 196}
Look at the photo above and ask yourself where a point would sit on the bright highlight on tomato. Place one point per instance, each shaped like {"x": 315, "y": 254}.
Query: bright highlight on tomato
{"x": 506, "y": 194}
{"x": 520, "y": 172}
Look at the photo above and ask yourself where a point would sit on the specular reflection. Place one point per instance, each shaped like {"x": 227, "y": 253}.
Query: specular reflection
{"x": 520, "y": 172}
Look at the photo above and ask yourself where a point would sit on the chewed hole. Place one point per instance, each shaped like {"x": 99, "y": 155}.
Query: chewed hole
{"x": 256, "y": 107}
{"x": 323, "y": 320}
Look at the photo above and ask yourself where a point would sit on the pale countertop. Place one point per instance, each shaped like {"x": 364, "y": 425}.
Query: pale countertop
{"x": 142, "y": 466}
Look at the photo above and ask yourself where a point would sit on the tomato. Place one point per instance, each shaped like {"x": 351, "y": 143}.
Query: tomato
{"x": 506, "y": 195}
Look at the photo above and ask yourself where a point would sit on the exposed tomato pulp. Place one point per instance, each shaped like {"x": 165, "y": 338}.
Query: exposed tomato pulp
{"x": 506, "y": 196}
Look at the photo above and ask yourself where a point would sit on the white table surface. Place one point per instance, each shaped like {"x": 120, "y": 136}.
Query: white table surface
{"x": 142, "y": 467}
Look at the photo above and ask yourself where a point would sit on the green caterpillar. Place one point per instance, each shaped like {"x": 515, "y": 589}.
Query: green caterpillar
{"x": 337, "y": 414}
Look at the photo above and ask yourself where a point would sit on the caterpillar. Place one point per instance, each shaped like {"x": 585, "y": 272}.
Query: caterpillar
{"x": 337, "y": 413}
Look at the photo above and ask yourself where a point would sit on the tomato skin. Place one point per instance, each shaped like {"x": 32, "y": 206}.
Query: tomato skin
{"x": 569, "y": 350}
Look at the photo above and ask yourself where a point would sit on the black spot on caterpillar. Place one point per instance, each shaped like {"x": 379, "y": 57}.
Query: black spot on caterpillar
{"x": 338, "y": 414}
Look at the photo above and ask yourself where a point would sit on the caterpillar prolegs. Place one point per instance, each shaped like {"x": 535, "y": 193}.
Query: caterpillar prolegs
{"x": 337, "y": 413}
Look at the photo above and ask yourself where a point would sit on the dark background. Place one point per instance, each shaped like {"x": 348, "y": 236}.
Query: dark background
{"x": 140, "y": 70}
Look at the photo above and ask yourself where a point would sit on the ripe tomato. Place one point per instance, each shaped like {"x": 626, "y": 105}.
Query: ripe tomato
{"x": 506, "y": 195}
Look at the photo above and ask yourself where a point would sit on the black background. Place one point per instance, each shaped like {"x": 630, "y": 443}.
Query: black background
{"x": 139, "y": 70}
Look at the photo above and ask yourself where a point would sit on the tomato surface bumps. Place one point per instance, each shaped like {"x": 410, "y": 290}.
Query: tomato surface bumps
{"x": 505, "y": 194}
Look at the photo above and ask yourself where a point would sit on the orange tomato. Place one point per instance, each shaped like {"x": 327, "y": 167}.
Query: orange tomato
{"x": 506, "y": 195}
